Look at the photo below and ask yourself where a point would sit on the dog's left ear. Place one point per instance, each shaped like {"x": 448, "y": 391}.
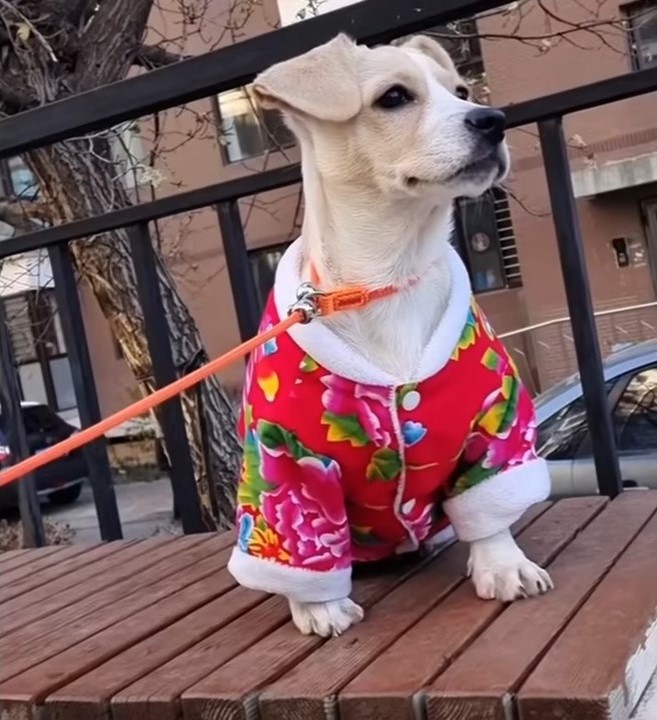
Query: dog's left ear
{"x": 433, "y": 49}
{"x": 321, "y": 83}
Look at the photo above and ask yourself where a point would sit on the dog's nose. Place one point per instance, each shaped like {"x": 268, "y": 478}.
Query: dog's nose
{"x": 488, "y": 122}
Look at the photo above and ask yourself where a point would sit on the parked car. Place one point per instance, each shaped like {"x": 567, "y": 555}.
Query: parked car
{"x": 60, "y": 481}
{"x": 563, "y": 431}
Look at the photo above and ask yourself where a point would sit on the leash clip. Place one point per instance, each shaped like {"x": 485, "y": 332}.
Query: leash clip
{"x": 307, "y": 303}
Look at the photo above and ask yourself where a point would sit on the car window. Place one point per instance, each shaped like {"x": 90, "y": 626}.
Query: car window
{"x": 560, "y": 436}
{"x": 40, "y": 419}
{"x": 635, "y": 415}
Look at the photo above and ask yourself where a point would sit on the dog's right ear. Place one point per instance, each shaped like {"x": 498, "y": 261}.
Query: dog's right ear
{"x": 322, "y": 83}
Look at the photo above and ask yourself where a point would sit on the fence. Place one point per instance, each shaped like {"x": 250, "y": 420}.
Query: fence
{"x": 370, "y": 21}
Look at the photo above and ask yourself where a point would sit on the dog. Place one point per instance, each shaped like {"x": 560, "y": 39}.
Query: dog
{"x": 388, "y": 428}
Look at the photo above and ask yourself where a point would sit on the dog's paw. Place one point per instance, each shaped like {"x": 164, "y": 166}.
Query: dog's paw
{"x": 500, "y": 570}
{"x": 325, "y": 618}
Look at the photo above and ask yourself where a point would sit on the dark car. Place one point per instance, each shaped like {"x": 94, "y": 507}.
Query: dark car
{"x": 60, "y": 481}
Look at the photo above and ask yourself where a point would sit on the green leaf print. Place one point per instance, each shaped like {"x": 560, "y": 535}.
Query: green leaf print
{"x": 307, "y": 364}
{"x": 364, "y": 536}
{"x": 491, "y": 360}
{"x": 385, "y": 465}
{"x": 273, "y": 436}
{"x": 252, "y": 484}
{"x": 345, "y": 427}
{"x": 471, "y": 477}
{"x": 511, "y": 390}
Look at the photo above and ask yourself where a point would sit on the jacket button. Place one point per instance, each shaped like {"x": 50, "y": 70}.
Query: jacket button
{"x": 411, "y": 400}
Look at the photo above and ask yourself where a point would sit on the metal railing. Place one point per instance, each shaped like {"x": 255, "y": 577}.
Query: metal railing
{"x": 370, "y": 21}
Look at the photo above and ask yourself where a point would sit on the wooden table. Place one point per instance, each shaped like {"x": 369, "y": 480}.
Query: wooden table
{"x": 157, "y": 630}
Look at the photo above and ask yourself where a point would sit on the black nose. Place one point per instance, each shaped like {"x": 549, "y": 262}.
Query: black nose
{"x": 487, "y": 122}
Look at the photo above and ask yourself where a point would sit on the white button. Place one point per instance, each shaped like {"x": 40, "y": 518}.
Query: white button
{"x": 411, "y": 400}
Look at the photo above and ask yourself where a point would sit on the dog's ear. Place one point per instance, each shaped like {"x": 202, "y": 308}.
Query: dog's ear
{"x": 433, "y": 49}
{"x": 321, "y": 83}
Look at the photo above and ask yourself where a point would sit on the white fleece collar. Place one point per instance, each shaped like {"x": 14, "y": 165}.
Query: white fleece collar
{"x": 332, "y": 353}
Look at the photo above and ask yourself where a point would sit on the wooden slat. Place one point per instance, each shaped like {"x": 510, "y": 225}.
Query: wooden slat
{"x": 157, "y": 695}
{"x": 475, "y": 685}
{"x": 87, "y": 698}
{"x": 61, "y": 570}
{"x": 229, "y": 691}
{"x": 431, "y": 644}
{"x": 30, "y": 688}
{"x": 601, "y": 664}
{"x": 11, "y": 559}
{"x": 37, "y": 644}
{"x": 310, "y": 690}
{"x": 59, "y": 593}
{"x": 41, "y": 562}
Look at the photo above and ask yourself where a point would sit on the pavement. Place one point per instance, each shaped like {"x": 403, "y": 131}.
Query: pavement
{"x": 145, "y": 509}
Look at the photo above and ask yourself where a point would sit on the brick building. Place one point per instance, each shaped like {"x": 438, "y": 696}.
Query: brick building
{"x": 507, "y": 240}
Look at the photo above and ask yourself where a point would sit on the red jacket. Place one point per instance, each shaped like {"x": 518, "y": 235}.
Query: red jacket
{"x": 338, "y": 470}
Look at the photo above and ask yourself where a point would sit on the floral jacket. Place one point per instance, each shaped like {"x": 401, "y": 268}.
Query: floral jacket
{"x": 343, "y": 463}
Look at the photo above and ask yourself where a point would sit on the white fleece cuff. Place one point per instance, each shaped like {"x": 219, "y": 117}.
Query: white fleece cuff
{"x": 295, "y": 583}
{"x": 495, "y": 504}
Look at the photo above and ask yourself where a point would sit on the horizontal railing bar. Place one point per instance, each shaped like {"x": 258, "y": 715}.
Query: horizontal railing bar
{"x": 370, "y": 21}
{"x": 529, "y": 111}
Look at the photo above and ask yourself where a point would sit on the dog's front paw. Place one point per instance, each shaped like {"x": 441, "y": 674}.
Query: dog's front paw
{"x": 325, "y": 618}
{"x": 500, "y": 570}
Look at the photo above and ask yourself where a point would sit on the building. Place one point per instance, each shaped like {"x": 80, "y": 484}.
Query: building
{"x": 507, "y": 239}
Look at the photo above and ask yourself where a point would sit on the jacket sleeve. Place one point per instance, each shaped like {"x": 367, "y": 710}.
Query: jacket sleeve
{"x": 499, "y": 474}
{"x": 292, "y": 530}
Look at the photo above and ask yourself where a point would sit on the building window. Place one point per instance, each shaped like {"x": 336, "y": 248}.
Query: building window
{"x": 264, "y": 262}
{"x": 642, "y": 27}
{"x": 247, "y": 131}
{"x": 39, "y": 349}
{"x": 486, "y": 242}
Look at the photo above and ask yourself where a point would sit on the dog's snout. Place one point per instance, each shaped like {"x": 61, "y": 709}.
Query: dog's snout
{"x": 488, "y": 122}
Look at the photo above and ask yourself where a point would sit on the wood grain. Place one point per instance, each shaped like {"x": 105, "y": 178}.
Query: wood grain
{"x": 157, "y": 695}
{"x": 42, "y": 562}
{"x": 82, "y": 620}
{"x": 102, "y": 641}
{"x": 87, "y": 698}
{"x": 422, "y": 652}
{"x": 601, "y": 664}
{"x": 11, "y": 559}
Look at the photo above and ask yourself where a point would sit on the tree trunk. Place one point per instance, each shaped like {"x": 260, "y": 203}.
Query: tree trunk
{"x": 77, "y": 183}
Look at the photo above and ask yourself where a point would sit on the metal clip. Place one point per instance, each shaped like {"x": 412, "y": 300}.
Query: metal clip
{"x": 306, "y": 303}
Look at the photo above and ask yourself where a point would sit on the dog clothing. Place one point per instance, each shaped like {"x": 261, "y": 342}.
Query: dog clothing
{"x": 345, "y": 463}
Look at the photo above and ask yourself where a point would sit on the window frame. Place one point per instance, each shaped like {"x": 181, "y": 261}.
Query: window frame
{"x": 259, "y": 114}
{"x": 630, "y": 10}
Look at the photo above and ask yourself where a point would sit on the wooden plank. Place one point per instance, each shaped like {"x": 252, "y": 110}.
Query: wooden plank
{"x": 29, "y": 689}
{"x": 11, "y": 559}
{"x": 61, "y": 592}
{"x": 40, "y": 562}
{"x": 87, "y": 698}
{"x": 38, "y": 644}
{"x": 474, "y": 684}
{"x": 61, "y": 570}
{"x": 159, "y": 558}
{"x": 310, "y": 690}
{"x": 157, "y": 695}
{"x": 230, "y": 691}
{"x": 431, "y": 644}
{"x": 601, "y": 664}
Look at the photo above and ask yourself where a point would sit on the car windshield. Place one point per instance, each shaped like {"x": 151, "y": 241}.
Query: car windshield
{"x": 39, "y": 420}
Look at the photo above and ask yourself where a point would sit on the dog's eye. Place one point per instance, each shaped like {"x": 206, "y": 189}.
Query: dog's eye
{"x": 395, "y": 96}
{"x": 462, "y": 92}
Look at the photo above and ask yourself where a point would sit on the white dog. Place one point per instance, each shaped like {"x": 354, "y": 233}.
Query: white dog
{"x": 377, "y": 430}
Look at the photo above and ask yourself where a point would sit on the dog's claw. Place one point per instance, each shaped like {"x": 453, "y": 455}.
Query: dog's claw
{"x": 325, "y": 619}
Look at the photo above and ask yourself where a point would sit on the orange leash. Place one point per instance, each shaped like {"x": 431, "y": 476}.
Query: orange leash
{"x": 311, "y": 303}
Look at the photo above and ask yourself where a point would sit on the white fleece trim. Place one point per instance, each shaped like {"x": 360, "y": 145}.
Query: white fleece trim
{"x": 332, "y": 353}
{"x": 495, "y": 504}
{"x": 295, "y": 583}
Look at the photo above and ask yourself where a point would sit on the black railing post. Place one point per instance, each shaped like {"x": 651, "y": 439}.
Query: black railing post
{"x": 580, "y": 305}
{"x": 86, "y": 397}
{"x": 10, "y": 400}
{"x": 170, "y": 414}
{"x": 242, "y": 284}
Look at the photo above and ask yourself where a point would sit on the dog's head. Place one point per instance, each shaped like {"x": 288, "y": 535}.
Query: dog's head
{"x": 395, "y": 118}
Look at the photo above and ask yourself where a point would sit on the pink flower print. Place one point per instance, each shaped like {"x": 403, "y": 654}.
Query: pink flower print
{"x": 418, "y": 517}
{"x": 356, "y": 412}
{"x": 488, "y": 451}
{"x": 306, "y": 509}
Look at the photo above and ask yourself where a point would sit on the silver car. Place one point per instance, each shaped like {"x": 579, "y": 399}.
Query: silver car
{"x": 563, "y": 433}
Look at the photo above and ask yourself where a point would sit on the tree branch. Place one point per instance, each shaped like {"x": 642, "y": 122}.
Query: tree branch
{"x": 24, "y": 216}
{"x": 154, "y": 56}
